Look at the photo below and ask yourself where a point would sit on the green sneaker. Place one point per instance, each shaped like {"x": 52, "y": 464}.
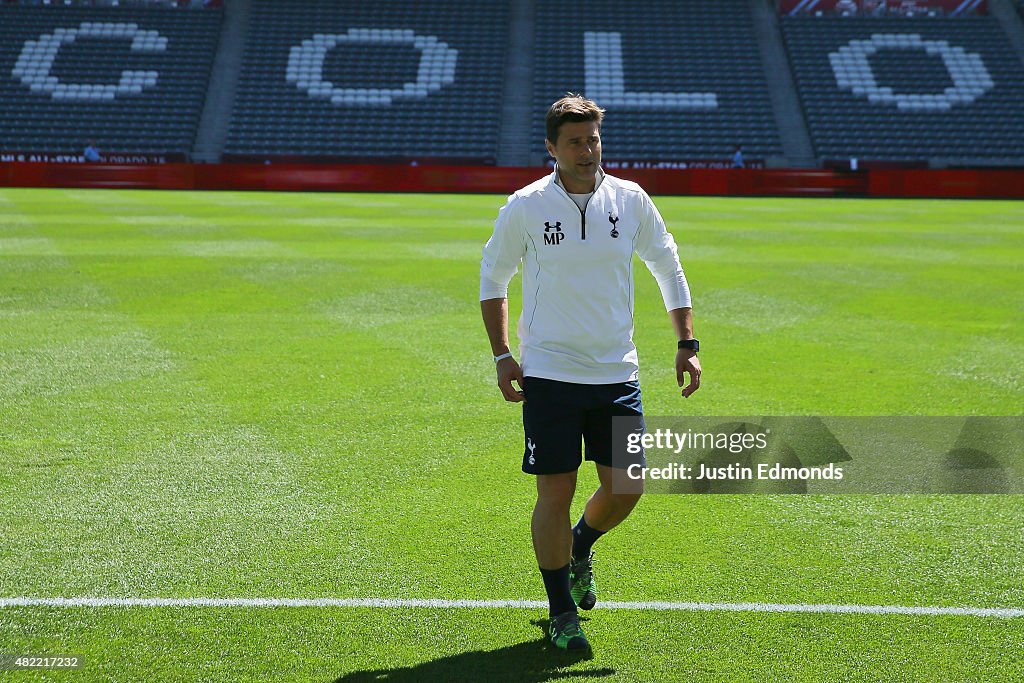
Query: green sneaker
{"x": 565, "y": 632}
{"x": 581, "y": 582}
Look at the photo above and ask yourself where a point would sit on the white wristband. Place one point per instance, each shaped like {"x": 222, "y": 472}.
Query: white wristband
{"x": 502, "y": 357}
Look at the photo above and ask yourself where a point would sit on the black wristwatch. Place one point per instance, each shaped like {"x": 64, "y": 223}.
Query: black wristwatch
{"x": 691, "y": 344}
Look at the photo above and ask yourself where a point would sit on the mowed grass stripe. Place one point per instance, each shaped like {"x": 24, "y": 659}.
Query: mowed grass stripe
{"x": 401, "y": 603}
{"x": 416, "y": 645}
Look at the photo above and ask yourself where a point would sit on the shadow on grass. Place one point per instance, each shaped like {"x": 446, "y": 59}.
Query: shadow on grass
{"x": 533, "y": 661}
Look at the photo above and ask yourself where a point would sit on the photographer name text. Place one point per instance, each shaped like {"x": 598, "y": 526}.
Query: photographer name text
{"x": 735, "y": 472}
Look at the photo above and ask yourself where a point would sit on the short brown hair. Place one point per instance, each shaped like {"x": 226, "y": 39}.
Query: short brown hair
{"x": 572, "y": 108}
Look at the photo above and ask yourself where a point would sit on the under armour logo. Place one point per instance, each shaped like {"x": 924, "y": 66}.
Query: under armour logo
{"x": 553, "y": 233}
{"x": 613, "y": 220}
{"x": 532, "y": 446}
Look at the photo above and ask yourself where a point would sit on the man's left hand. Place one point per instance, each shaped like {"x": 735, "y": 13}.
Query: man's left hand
{"x": 687, "y": 363}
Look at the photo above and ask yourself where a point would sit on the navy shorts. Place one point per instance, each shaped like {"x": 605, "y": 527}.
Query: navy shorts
{"x": 557, "y": 416}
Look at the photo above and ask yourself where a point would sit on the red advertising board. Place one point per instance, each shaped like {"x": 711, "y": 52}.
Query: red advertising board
{"x": 501, "y": 180}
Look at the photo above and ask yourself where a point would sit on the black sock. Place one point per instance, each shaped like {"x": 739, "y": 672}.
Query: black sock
{"x": 583, "y": 538}
{"x": 556, "y": 583}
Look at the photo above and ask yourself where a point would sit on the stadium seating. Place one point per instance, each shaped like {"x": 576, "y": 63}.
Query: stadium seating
{"x": 398, "y": 79}
{"x": 132, "y": 79}
{"x": 406, "y": 80}
{"x": 908, "y": 89}
{"x": 679, "y": 79}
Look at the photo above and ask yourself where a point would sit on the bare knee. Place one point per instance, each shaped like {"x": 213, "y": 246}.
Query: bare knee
{"x": 555, "y": 491}
{"x": 623, "y": 490}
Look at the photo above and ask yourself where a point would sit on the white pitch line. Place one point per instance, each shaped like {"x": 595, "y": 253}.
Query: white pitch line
{"x": 998, "y": 612}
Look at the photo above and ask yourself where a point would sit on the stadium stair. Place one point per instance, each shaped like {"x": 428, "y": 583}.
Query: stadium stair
{"x": 516, "y": 147}
{"x": 789, "y": 117}
{"x": 220, "y": 96}
{"x": 1011, "y": 21}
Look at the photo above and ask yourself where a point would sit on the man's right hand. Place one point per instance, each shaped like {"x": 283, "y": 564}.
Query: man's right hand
{"x": 508, "y": 370}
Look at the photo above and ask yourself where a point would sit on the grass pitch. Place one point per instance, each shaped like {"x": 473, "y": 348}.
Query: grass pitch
{"x": 291, "y": 395}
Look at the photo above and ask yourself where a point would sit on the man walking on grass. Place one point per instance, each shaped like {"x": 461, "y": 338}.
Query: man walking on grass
{"x": 575, "y": 232}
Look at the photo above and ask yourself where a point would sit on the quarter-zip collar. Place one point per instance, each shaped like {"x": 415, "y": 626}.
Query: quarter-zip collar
{"x": 556, "y": 181}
